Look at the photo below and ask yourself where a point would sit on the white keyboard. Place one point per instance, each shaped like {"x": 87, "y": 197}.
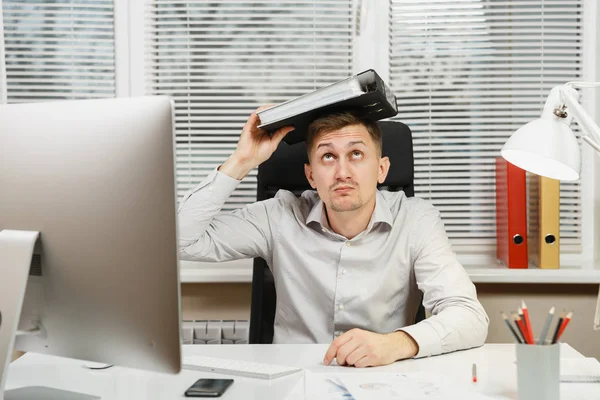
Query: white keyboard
{"x": 237, "y": 367}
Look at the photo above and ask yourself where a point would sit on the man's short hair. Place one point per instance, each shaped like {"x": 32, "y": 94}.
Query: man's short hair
{"x": 333, "y": 122}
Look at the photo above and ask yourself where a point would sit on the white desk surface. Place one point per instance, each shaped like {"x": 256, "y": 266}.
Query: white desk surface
{"x": 495, "y": 369}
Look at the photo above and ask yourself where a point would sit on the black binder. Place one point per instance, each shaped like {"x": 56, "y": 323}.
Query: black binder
{"x": 365, "y": 93}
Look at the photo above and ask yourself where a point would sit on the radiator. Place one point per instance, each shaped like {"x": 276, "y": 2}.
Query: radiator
{"x": 215, "y": 332}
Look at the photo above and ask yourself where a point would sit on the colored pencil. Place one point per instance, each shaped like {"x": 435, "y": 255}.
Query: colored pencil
{"x": 542, "y": 338}
{"x": 512, "y": 330}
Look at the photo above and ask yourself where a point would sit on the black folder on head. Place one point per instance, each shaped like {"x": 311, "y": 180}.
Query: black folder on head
{"x": 365, "y": 93}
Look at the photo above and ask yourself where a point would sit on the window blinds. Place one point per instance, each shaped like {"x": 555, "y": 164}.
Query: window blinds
{"x": 59, "y": 49}
{"x": 467, "y": 74}
{"x": 221, "y": 60}
{"x": 2, "y": 61}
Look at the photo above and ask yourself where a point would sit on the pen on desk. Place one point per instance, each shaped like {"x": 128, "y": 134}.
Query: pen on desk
{"x": 558, "y": 325}
{"x": 512, "y": 330}
{"x": 564, "y": 325}
{"x": 544, "y": 333}
{"x": 527, "y": 322}
{"x": 474, "y": 372}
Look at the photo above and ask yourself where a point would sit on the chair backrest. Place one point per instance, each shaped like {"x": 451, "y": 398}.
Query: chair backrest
{"x": 285, "y": 170}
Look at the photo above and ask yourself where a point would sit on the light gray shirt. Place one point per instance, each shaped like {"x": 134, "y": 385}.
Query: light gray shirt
{"x": 327, "y": 284}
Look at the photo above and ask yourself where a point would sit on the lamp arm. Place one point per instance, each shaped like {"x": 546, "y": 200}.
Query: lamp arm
{"x": 588, "y": 126}
{"x": 592, "y": 137}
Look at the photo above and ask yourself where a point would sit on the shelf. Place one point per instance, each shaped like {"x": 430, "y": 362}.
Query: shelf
{"x": 241, "y": 271}
{"x": 203, "y": 272}
{"x": 497, "y": 273}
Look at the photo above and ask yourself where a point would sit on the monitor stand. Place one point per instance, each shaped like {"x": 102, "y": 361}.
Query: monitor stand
{"x": 16, "y": 252}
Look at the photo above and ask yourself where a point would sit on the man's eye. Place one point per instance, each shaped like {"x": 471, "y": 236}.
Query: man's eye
{"x": 357, "y": 153}
{"x": 327, "y": 156}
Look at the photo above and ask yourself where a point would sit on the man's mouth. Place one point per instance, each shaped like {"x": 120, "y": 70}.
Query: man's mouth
{"x": 343, "y": 189}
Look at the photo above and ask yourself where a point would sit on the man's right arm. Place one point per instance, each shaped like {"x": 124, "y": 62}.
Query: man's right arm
{"x": 244, "y": 233}
{"x": 206, "y": 236}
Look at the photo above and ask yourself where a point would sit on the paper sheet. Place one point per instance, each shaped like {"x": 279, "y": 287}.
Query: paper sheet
{"x": 386, "y": 386}
{"x": 324, "y": 386}
{"x": 579, "y": 370}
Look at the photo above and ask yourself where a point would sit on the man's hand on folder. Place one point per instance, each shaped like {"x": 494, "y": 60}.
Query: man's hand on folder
{"x": 362, "y": 348}
{"x": 254, "y": 147}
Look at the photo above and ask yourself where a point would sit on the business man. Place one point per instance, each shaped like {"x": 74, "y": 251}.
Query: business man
{"x": 348, "y": 260}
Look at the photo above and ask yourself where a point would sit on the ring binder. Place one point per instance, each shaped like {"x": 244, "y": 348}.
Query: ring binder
{"x": 511, "y": 215}
{"x": 365, "y": 93}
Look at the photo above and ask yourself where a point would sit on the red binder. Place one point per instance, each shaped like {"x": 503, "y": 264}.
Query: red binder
{"x": 511, "y": 214}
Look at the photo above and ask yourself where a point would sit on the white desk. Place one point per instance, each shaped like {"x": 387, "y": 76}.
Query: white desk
{"x": 495, "y": 367}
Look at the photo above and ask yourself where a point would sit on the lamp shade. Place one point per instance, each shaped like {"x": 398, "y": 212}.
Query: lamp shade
{"x": 547, "y": 147}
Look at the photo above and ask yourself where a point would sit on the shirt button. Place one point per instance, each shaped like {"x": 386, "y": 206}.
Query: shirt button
{"x": 324, "y": 230}
{"x": 348, "y": 244}
{"x": 210, "y": 188}
{"x": 344, "y": 272}
{"x": 341, "y": 307}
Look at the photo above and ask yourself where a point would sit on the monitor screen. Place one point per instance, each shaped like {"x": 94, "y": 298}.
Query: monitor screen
{"x": 96, "y": 179}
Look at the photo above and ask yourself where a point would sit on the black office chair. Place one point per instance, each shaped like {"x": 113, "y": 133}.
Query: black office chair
{"x": 285, "y": 170}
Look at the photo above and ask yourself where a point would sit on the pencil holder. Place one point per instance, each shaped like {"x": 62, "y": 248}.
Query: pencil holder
{"x": 538, "y": 371}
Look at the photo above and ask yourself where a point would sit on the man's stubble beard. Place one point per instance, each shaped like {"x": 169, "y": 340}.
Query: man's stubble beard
{"x": 355, "y": 205}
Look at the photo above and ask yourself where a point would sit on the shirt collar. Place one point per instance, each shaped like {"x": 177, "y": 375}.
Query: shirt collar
{"x": 381, "y": 213}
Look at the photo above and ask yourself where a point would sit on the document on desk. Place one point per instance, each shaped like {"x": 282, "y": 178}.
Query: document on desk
{"x": 325, "y": 387}
{"x": 579, "y": 370}
{"x": 386, "y": 386}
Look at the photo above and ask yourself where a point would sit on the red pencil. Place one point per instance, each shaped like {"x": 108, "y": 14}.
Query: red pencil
{"x": 527, "y": 321}
{"x": 524, "y": 329}
{"x": 564, "y": 324}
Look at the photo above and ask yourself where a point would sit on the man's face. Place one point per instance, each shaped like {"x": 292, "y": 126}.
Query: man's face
{"x": 345, "y": 167}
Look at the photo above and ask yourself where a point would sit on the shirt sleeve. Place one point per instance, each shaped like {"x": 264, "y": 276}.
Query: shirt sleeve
{"x": 205, "y": 234}
{"x": 458, "y": 320}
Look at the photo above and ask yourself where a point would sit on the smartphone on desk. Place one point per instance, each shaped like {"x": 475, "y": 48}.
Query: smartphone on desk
{"x": 208, "y": 388}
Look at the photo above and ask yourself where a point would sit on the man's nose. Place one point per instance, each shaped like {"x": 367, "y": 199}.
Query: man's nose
{"x": 344, "y": 170}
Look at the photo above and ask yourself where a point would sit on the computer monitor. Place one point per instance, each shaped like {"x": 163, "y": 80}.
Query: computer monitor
{"x": 96, "y": 179}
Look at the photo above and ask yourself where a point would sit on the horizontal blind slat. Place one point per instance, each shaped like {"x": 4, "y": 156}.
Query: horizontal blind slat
{"x": 209, "y": 67}
{"x": 466, "y": 76}
{"x": 59, "y": 50}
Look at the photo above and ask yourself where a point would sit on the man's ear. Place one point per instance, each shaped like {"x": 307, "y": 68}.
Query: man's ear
{"x": 384, "y": 168}
{"x": 309, "y": 175}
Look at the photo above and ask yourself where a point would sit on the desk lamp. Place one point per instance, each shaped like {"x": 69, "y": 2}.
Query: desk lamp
{"x": 548, "y": 147}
